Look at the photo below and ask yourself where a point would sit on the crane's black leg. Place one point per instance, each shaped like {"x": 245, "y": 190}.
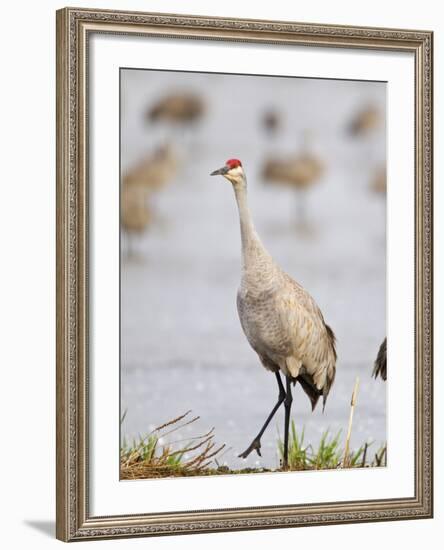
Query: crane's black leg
{"x": 256, "y": 443}
{"x": 287, "y": 404}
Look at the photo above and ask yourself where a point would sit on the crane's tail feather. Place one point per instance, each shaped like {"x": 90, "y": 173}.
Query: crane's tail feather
{"x": 332, "y": 339}
{"x": 313, "y": 392}
{"x": 310, "y": 389}
{"x": 326, "y": 389}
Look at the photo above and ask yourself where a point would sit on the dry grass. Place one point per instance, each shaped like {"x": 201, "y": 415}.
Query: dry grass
{"x": 147, "y": 458}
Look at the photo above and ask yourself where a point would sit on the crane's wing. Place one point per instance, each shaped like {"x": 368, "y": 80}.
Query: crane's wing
{"x": 313, "y": 357}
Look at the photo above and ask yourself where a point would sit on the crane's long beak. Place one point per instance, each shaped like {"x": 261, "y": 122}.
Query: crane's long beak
{"x": 220, "y": 172}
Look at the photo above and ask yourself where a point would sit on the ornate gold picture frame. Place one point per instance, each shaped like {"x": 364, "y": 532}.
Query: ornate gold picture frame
{"x": 74, "y": 30}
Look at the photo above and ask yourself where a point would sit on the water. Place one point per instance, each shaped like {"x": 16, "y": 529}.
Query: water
{"x": 182, "y": 345}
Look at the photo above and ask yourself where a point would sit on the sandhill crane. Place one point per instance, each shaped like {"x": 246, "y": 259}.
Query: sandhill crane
{"x": 299, "y": 172}
{"x": 280, "y": 319}
{"x": 155, "y": 170}
{"x": 365, "y": 121}
{"x": 179, "y": 110}
{"x": 179, "y": 113}
{"x": 380, "y": 366}
{"x": 150, "y": 175}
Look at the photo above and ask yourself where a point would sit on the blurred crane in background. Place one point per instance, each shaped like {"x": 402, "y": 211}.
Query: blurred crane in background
{"x": 281, "y": 321}
{"x": 299, "y": 172}
{"x": 138, "y": 184}
{"x": 365, "y": 121}
{"x": 155, "y": 170}
{"x": 179, "y": 111}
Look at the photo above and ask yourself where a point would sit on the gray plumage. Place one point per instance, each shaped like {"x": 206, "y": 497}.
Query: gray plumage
{"x": 380, "y": 365}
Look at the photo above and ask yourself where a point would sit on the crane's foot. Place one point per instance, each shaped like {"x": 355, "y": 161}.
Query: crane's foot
{"x": 255, "y": 446}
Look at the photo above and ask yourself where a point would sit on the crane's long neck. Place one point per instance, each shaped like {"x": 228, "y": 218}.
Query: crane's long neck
{"x": 252, "y": 246}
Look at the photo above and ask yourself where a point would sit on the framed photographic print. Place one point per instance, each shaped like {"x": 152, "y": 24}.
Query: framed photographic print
{"x": 244, "y": 241}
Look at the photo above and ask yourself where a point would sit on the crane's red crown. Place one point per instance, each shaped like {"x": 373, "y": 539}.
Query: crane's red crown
{"x": 233, "y": 163}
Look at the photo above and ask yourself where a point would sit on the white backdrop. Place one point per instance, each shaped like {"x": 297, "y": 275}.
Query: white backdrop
{"x": 27, "y": 275}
